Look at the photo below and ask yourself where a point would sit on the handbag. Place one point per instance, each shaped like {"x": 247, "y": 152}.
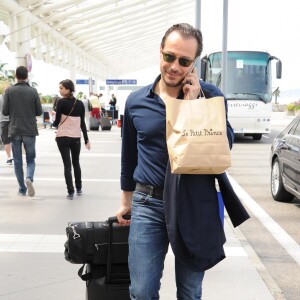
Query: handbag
{"x": 88, "y": 242}
{"x": 197, "y": 136}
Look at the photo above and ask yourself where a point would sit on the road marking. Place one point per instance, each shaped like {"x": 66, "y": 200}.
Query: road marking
{"x": 82, "y": 154}
{"x": 277, "y": 232}
{"x": 3, "y": 178}
{"x": 105, "y": 142}
{"x": 105, "y": 132}
{"x": 46, "y": 243}
{"x": 32, "y": 243}
{"x": 283, "y": 238}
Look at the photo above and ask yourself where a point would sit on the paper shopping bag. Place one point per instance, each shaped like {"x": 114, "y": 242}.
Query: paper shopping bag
{"x": 197, "y": 136}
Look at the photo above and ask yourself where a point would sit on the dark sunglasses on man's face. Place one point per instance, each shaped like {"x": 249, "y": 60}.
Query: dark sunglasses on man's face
{"x": 183, "y": 61}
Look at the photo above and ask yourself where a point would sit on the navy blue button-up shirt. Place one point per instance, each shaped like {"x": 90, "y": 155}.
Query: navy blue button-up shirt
{"x": 144, "y": 148}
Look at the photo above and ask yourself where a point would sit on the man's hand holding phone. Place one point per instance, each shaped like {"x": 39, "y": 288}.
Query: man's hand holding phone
{"x": 191, "y": 86}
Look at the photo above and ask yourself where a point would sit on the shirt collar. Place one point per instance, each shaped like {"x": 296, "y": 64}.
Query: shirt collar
{"x": 152, "y": 87}
{"x": 22, "y": 82}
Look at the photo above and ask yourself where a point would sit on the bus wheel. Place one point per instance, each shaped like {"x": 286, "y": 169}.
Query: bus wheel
{"x": 257, "y": 136}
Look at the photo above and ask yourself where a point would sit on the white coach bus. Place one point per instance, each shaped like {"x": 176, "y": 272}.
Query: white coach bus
{"x": 249, "y": 88}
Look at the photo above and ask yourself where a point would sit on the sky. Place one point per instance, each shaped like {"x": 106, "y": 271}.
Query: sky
{"x": 264, "y": 25}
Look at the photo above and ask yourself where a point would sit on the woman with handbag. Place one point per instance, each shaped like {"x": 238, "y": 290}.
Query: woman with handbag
{"x": 69, "y": 119}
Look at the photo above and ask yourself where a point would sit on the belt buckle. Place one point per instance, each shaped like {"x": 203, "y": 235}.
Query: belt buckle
{"x": 151, "y": 190}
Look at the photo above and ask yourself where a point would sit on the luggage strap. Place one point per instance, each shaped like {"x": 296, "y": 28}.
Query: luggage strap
{"x": 94, "y": 274}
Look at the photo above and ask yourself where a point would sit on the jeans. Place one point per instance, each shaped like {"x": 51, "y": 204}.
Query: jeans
{"x": 29, "y": 145}
{"x": 148, "y": 245}
{"x": 70, "y": 147}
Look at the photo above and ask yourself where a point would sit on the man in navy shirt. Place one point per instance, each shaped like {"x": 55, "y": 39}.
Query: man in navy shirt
{"x": 144, "y": 168}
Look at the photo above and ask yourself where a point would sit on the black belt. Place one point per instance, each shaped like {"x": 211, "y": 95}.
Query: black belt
{"x": 150, "y": 190}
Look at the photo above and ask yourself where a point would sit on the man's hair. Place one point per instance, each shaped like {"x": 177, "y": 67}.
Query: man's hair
{"x": 68, "y": 84}
{"x": 22, "y": 73}
{"x": 186, "y": 31}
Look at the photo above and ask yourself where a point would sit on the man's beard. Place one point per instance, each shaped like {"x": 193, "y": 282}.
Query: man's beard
{"x": 171, "y": 84}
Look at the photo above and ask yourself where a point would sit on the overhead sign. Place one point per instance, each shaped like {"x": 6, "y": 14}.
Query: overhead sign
{"x": 121, "y": 81}
{"x": 83, "y": 81}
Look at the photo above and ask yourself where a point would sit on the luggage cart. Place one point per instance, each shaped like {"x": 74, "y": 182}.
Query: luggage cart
{"x": 46, "y": 119}
{"x": 112, "y": 115}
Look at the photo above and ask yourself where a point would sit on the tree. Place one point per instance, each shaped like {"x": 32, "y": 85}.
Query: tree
{"x": 7, "y": 74}
{"x": 7, "y": 77}
{"x": 276, "y": 94}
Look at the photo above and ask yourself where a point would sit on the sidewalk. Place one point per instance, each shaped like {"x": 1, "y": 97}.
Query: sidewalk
{"x": 281, "y": 118}
{"x": 32, "y": 230}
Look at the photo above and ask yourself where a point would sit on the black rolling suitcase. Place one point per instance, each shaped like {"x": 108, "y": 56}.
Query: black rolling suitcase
{"x": 105, "y": 123}
{"x": 94, "y": 123}
{"x": 106, "y": 257}
{"x": 114, "y": 285}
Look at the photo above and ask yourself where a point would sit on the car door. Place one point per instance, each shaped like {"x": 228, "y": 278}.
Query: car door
{"x": 290, "y": 155}
{"x": 297, "y": 163}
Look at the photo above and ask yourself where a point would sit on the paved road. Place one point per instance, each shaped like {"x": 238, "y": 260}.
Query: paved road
{"x": 273, "y": 231}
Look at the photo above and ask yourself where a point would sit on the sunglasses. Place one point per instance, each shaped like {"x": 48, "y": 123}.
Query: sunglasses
{"x": 183, "y": 61}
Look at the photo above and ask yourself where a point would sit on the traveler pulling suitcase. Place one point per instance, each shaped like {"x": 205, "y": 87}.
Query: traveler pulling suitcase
{"x": 105, "y": 123}
{"x": 94, "y": 123}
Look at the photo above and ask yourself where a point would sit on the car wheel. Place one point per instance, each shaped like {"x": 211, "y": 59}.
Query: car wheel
{"x": 278, "y": 191}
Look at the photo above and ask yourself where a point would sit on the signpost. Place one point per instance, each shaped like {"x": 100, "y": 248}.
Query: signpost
{"x": 121, "y": 81}
{"x": 83, "y": 81}
{"x": 28, "y": 62}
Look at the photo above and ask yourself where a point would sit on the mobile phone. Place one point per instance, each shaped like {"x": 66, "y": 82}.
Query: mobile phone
{"x": 191, "y": 69}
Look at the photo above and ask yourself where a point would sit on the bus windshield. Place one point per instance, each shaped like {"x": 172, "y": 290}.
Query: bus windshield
{"x": 248, "y": 75}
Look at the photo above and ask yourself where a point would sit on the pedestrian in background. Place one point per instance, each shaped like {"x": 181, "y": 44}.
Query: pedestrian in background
{"x": 147, "y": 183}
{"x": 22, "y": 105}
{"x": 70, "y": 122}
{"x": 113, "y": 102}
{"x": 87, "y": 109}
{"x": 53, "y": 112}
{"x": 55, "y": 100}
{"x": 96, "y": 109}
{"x": 4, "y": 120}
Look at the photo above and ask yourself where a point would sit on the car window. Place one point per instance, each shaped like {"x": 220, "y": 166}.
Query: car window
{"x": 297, "y": 130}
{"x": 294, "y": 128}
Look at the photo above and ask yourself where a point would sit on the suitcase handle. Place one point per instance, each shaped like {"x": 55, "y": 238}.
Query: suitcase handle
{"x": 111, "y": 220}
{"x": 114, "y": 219}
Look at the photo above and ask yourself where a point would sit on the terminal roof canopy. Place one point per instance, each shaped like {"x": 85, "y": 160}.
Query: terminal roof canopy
{"x": 123, "y": 35}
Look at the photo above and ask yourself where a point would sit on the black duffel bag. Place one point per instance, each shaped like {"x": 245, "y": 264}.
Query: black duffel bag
{"x": 88, "y": 242}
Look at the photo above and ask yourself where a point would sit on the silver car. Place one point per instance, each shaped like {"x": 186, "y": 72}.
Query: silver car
{"x": 285, "y": 163}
